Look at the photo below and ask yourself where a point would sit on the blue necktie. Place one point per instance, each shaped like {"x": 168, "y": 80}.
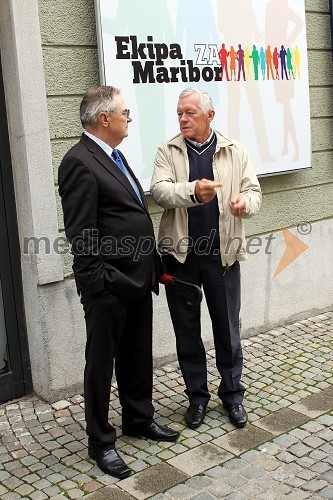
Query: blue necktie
{"x": 121, "y": 166}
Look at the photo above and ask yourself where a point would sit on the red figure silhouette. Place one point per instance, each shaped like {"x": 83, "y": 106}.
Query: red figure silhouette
{"x": 223, "y": 55}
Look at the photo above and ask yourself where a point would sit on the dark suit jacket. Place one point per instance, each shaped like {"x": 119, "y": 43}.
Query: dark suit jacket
{"x": 110, "y": 231}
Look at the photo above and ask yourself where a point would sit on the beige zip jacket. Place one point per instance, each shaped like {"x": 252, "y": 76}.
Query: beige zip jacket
{"x": 171, "y": 189}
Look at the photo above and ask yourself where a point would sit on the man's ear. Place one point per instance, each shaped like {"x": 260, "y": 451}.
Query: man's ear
{"x": 104, "y": 119}
{"x": 211, "y": 115}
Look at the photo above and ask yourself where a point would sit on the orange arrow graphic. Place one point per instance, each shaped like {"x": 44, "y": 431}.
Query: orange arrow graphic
{"x": 295, "y": 248}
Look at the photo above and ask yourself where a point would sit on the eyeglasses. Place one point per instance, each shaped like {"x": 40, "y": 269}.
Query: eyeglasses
{"x": 125, "y": 112}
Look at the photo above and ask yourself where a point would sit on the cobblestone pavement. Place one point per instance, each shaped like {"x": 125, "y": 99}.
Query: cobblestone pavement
{"x": 286, "y": 450}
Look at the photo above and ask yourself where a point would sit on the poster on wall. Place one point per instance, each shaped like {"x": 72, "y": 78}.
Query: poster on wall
{"x": 250, "y": 55}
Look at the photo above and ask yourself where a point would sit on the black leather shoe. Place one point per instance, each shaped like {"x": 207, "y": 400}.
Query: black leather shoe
{"x": 237, "y": 414}
{"x": 195, "y": 415}
{"x": 152, "y": 431}
{"x": 109, "y": 461}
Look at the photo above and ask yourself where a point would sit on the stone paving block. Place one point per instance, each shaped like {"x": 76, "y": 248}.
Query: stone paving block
{"x": 199, "y": 482}
{"x": 11, "y": 496}
{"x": 203, "y": 496}
{"x": 282, "y": 421}
{"x": 236, "y": 481}
{"x": 109, "y": 493}
{"x": 3, "y": 490}
{"x": 12, "y": 482}
{"x": 314, "y": 486}
{"x": 152, "y": 481}
{"x": 61, "y": 405}
{"x": 326, "y": 493}
{"x": 315, "y": 405}
{"x": 24, "y": 490}
{"x": 299, "y": 449}
{"x": 199, "y": 459}
{"x": 92, "y": 486}
{"x": 38, "y": 495}
{"x": 326, "y": 434}
{"x": 241, "y": 440}
{"x": 181, "y": 491}
{"x": 42, "y": 484}
{"x": 76, "y": 493}
{"x": 327, "y": 476}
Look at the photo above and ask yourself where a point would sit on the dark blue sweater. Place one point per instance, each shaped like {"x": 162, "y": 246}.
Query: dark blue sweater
{"x": 203, "y": 219}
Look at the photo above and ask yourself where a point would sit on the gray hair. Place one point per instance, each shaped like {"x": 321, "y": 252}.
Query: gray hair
{"x": 205, "y": 100}
{"x": 95, "y": 101}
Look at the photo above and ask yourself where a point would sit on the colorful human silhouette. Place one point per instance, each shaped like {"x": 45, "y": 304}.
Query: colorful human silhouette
{"x": 290, "y": 64}
{"x": 269, "y": 62}
{"x": 283, "y": 62}
{"x": 262, "y": 63}
{"x": 247, "y": 63}
{"x": 296, "y": 59}
{"x": 276, "y": 57}
{"x": 233, "y": 58}
{"x": 223, "y": 55}
{"x": 240, "y": 58}
{"x": 285, "y": 31}
{"x": 255, "y": 61}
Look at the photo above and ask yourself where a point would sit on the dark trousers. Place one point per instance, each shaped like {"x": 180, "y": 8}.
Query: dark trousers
{"x": 222, "y": 291}
{"x": 119, "y": 333}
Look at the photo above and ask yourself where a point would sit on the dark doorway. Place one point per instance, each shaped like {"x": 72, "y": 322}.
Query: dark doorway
{"x": 13, "y": 347}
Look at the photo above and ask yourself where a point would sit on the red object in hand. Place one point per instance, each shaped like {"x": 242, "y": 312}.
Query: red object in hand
{"x": 167, "y": 279}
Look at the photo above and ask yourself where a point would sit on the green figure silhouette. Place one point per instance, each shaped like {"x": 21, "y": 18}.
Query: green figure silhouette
{"x": 255, "y": 60}
{"x": 290, "y": 64}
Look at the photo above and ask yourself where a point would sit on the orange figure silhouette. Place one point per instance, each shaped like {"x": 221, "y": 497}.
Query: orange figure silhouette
{"x": 269, "y": 61}
{"x": 223, "y": 55}
{"x": 233, "y": 58}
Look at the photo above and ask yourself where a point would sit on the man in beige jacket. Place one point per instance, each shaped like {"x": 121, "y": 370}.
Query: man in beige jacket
{"x": 207, "y": 186}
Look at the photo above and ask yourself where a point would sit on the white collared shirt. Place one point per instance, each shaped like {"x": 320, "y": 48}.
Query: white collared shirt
{"x": 108, "y": 150}
{"x": 199, "y": 144}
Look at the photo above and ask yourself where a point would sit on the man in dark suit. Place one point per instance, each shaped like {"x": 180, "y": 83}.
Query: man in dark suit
{"x": 116, "y": 268}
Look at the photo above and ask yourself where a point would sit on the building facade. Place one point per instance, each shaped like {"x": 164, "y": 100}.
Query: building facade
{"x": 49, "y": 57}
